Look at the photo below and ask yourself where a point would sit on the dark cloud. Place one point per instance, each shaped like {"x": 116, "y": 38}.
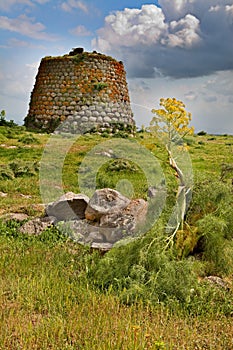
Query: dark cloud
{"x": 182, "y": 39}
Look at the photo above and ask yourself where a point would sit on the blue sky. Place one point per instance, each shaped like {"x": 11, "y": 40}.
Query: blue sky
{"x": 178, "y": 48}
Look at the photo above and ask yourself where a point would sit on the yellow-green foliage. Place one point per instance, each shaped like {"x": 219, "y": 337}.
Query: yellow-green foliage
{"x": 171, "y": 121}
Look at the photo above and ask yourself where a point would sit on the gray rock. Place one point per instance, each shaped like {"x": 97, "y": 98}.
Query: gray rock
{"x": 128, "y": 218}
{"x": 108, "y": 153}
{"x": 102, "y": 246}
{"x": 152, "y": 192}
{"x": 95, "y": 236}
{"x": 69, "y": 206}
{"x": 37, "y": 226}
{"x": 112, "y": 235}
{"x": 137, "y": 208}
{"x": 16, "y": 216}
{"x": 105, "y": 201}
{"x": 217, "y": 281}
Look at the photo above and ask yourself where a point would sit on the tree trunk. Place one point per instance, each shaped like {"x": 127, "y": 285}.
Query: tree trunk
{"x": 183, "y": 198}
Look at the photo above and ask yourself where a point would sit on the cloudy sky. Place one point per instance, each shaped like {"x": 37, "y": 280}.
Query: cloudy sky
{"x": 170, "y": 48}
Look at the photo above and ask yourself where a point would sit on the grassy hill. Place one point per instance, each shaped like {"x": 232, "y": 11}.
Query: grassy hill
{"x": 150, "y": 294}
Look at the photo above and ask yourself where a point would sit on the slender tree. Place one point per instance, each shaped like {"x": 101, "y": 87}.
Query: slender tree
{"x": 171, "y": 124}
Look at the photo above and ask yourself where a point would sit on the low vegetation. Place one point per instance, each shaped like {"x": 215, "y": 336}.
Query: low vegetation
{"x": 153, "y": 293}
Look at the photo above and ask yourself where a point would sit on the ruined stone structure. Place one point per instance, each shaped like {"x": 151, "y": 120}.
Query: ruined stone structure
{"x": 81, "y": 89}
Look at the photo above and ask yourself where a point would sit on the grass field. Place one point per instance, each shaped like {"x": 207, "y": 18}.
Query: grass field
{"x": 55, "y": 294}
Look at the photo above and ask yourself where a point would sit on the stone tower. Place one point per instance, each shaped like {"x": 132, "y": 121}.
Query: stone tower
{"x": 84, "y": 90}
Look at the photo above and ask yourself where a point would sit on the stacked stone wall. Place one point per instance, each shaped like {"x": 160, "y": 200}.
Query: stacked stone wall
{"x": 83, "y": 91}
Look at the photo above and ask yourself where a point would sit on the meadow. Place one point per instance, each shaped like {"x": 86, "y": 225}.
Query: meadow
{"x": 152, "y": 293}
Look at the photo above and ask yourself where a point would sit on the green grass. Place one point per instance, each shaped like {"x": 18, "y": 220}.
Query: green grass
{"x": 55, "y": 294}
{"x": 47, "y": 302}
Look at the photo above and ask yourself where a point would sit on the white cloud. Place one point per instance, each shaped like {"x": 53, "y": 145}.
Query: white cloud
{"x": 183, "y": 33}
{"x": 229, "y": 9}
{"x": 133, "y": 26}
{"x": 190, "y": 96}
{"x": 25, "y": 25}
{"x": 80, "y": 31}
{"x": 176, "y": 9}
{"x": 17, "y": 43}
{"x": 147, "y": 26}
{"x": 41, "y": 2}
{"x": 33, "y": 66}
{"x": 183, "y": 38}
{"x": 214, "y": 8}
{"x": 7, "y": 5}
{"x": 70, "y": 5}
{"x": 13, "y": 42}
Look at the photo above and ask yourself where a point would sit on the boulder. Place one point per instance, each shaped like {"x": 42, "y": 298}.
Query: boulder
{"x": 137, "y": 208}
{"x": 37, "y": 226}
{"x": 95, "y": 237}
{"x": 135, "y": 213}
{"x": 69, "y": 206}
{"x": 107, "y": 218}
{"x": 116, "y": 215}
{"x": 105, "y": 201}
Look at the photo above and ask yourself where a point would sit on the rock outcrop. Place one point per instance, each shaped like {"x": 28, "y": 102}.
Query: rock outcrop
{"x": 105, "y": 219}
{"x": 70, "y": 206}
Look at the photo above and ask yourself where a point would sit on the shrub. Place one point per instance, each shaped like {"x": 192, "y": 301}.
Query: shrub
{"x": 6, "y": 172}
{"x": 122, "y": 165}
{"x": 211, "y": 211}
{"x": 100, "y": 86}
{"x": 28, "y": 139}
{"x": 144, "y": 271}
{"x": 23, "y": 168}
{"x": 4, "y": 122}
{"x": 201, "y": 133}
{"x": 212, "y": 243}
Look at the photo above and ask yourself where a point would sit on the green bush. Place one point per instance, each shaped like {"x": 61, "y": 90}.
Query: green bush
{"x": 24, "y": 168}
{"x": 4, "y": 122}
{"x": 6, "y": 172}
{"x": 13, "y": 132}
{"x": 211, "y": 211}
{"x": 28, "y": 139}
{"x": 149, "y": 271}
{"x": 213, "y": 244}
{"x": 18, "y": 168}
{"x": 122, "y": 165}
{"x": 144, "y": 271}
{"x": 201, "y": 133}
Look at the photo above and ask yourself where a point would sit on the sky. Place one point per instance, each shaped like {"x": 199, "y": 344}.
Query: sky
{"x": 170, "y": 48}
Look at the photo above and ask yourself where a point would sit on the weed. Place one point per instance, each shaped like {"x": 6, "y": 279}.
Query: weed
{"x": 29, "y": 139}
{"x": 6, "y": 172}
{"x": 100, "y": 86}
